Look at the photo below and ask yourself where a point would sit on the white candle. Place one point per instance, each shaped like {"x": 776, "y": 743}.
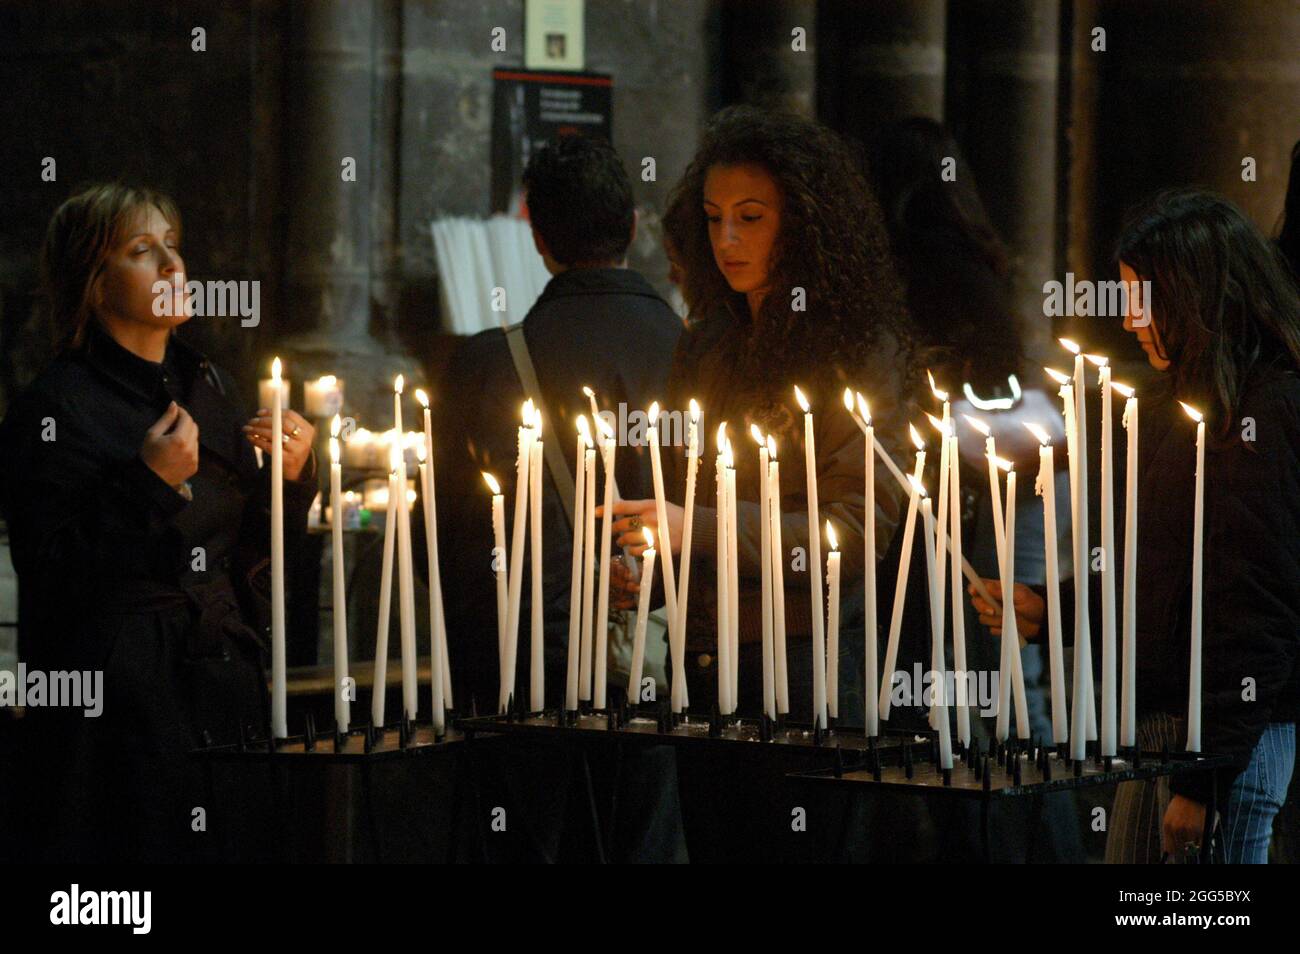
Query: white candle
{"x": 266, "y": 389}
{"x": 814, "y": 565}
{"x": 724, "y": 579}
{"x": 871, "y": 703}
{"x": 405, "y": 582}
{"x": 900, "y": 584}
{"x": 379, "y": 688}
{"x": 765, "y": 573}
{"x": 1079, "y": 464}
{"x": 941, "y": 518}
{"x": 1108, "y": 688}
{"x": 642, "y": 613}
{"x": 439, "y": 676}
{"x": 678, "y": 694}
{"x": 1045, "y": 486}
{"x": 602, "y": 604}
{"x": 342, "y": 706}
{"x": 1198, "y": 537}
{"x": 733, "y": 578}
{"x": 323, "y": 397}
{"x": 661, "y": 514}
{"x": 537, "y": 660}
{"x": 588, "y": 572}
{"x": 1011, "y": 675}
{"x": 940, "y": 697}
{"x": 832, "y": 623}
{"x": 995, "y": 493}
{"x": 499, "y": 564}
{"x": 1128, "y": 682}
{"x": 778, "y": 580}
{"x": 575, "y": 583}
{"x": 279, "y": 683}
{"x": 524, "y": 440}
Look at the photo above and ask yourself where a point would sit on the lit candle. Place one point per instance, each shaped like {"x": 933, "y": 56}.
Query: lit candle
{"x": 900, "y": 585}
{"x": 537, "y": 661}
{"x": 1011, "y": 675}
{"x": 588, "y": 570}
{"x": 1079, "y": 465}
{"x": 379, "y": 688}
{"x": 995, "y": 494}
{"x": 439, "y": 674}
{"x": 267, "y": 387}
{"x": 642, "y": 614}
{"x": 941, "y": 518}
{"x": 1045, "y": 486}
{"x": 661, "y": 514}
{"x": 832, "y": 623}
{"x": 524, "y": 441}
{"x": 724, "y": 579}
{"x": 733, "y": 577}
{"x": 575, "y": 583}
{"x": 871, "y": 704}
{"x": 323, "y": 397}
{"x": 939, "y": 703}
{"x": 778, "y": 580}
{"x": 499, "y": 564}
{"x": 814, "y": 565}
{"x": 1198, "y": 536}
{"x": 678, "y": 694}
{"x": 342, "y": 706}
{"x": 602, "y": 605}
{"x": 765, "y": 573}
{"x": 405, "y": 570}
{"x": 279, "y": 683}
{"x": 1108, "y": 693}
{"x": 1128, "y": 682}
{"x": 962, "y": 698}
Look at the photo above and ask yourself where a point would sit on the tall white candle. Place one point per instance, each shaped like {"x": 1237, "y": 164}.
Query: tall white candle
{"x": 499, "y": 564}
{"x": 678, "y": 695}
{"x": 943, "y": 425}
{"x": 575, "y": 582}
{"x": 1010, "y": 632}
{"x": 267, "y": 388}
{"x": 724, "y": 578}
{"x": 832, "y": 623}
{"x": 962, "y": 699}
{"x": 940, "y": 696}
{"x": 871, "y": 703}
{"x": 900, "y": 584}
{"x": 537, "y": 658}
{"x": 437, "y": 618}
{"x": 665, "y": 538}
{"x": 642, "y": 614}
{"x": 379, "y": 688}
{"x": 1198, "y": 560}
{"x": 765, "y": 573}
{"x": 780, "y": 672}
{"x": 279, "y": 678}
{"x": 524, "y": 443}
{"x": 1108, "y": 687}
{"x": 342, "y": 706}
{"x": 601, "y": 620}
{"x": 1045, "y": 486}
{"x": 405, "y": 588}
{"x": 814, "y": 564}
{"x": 1128, "y": 681}
{"x": 1082, "y": 610}
{"x": 733, "y": 578}
{"x": 588, "y": 572}
{"x": 995, "y": 493}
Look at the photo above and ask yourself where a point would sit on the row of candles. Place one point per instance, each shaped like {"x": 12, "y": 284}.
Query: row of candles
{"x": 397, "y": 540}
{"x": 942, "y": 540}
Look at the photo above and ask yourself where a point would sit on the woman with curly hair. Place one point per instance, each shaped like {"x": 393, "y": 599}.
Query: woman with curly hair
{"x": 785, "y": 264}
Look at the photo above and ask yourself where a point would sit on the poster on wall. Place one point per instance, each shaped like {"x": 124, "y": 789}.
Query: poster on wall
{"x": 530, "y": 107}
{"x": 553, "y": 35}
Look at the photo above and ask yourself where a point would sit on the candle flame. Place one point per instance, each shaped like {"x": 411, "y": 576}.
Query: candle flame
{"x": 1038, "y": 432}
{"x": 848, "y": 400}
{"x": 528, "y": 412}
{"x": 606, "y": 429}
{"x": 649, "y": 538}
{"x": 937, "y": 424}
{"x": 979, "y": 425}
{"x": 830, "y": 535}
{"x": 755, "y": 433}
{"x": 728, "y": 458}
{"x": 1057, "y": 376}
{"x": 1070, "y": 345}
{"x": 695, "y": 411}
{"x": 916, "y": 437}
{"x": 398, "y": 383}
{"x": 1100, "y": 360}
{"x": 537, "y": 426}
{"x": 275, "y": 370}
{"x": 422, "y": 397}
{"x": 334, "y": 450}
{"x": 1003, "y": 463}
{"x": 1194, "y": 414}
{"x": 492, "y": 484}
{"x": 938, "y": 393}
{"x": 1123, "y": 389}
{"x": 863, "y": 410}
{"x": 722, "y": 436}
{"x": 327, "y": 380}
{"x": 803, "y": 401}
{"x": 771, "y": 447}
{"x": 588, "y": 391}
{"x": 584, "y": 430}
{"x": 419, "y": 452}
{"x": 336, "y": 425}
{"x": 653, "y": 413}
{"x": 918, "y": 488}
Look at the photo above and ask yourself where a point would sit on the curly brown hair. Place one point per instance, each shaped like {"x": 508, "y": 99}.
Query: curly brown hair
{"x": 832, "y": 243}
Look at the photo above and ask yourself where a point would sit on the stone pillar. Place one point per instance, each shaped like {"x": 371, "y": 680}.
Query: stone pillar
{"x": 760, "y": 64}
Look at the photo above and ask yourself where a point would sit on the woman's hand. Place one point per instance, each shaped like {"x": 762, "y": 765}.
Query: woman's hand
{"x": 632, "y": 515}
{"x": 297, "y": 449}
{"x": 622, "y": 591}
{"x": 1029, "y": 606}
{"x": 171, "y": 446}
{"x": 1184, "y": 824}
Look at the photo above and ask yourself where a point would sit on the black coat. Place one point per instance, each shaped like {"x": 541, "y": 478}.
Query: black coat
{"x": 118, "y": 572}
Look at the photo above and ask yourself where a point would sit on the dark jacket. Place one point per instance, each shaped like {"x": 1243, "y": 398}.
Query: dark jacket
{"x": 118, "y": 572}
{"x": 604, "y": 328}
{"x": 1251, "y": 574}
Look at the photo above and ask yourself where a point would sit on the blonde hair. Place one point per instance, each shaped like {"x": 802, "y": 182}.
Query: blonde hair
{"x": 81, "y": 234}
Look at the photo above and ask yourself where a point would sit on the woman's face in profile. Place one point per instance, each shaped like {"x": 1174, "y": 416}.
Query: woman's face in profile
{"x": 1139, "y": 322}
{"x": 148, "y": 253}
{"x": 743, "y": 206}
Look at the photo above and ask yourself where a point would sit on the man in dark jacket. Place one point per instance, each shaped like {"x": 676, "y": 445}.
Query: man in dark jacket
{"x": 597, "y": 324}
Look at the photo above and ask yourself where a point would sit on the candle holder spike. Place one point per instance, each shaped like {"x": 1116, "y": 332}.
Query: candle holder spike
{"x": 309, "y": 733}
{"x": 985, "y": 776}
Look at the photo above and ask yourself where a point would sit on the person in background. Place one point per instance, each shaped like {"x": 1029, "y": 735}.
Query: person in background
{"x": 1223, "y": 326}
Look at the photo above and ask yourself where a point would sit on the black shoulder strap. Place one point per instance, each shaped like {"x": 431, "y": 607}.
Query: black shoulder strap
{"x": 550, "y": 440}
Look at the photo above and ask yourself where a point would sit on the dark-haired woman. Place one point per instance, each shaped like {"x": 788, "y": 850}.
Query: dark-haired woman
{"x": 1223, "y": 324}
{"x": 140, "y": 532}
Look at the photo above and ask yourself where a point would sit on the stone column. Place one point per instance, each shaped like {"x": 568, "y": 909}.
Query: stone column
{"x": 760, "y": 62}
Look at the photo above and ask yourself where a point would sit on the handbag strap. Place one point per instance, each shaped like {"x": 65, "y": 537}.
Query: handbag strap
{"x": 550, "y": 448}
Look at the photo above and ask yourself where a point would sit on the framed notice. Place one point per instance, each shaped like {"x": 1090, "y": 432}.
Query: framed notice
{"x": 553, "y": 37}
{"x": 530, "y": 108}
